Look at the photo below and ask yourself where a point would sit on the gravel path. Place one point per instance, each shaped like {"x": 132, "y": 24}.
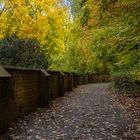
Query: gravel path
{"x": 86, "y": 113}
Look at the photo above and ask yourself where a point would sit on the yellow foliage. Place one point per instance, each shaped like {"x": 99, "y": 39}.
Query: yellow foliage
{"x": 44, "y": 21}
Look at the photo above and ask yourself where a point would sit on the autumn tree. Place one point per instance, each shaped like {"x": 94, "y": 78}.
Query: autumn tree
{"x": 110, "y": 30}
{"x": 39, "y": 20}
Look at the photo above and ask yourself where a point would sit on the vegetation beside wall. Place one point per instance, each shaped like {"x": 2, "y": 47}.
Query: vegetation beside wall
{"x": 22, "y": 52}
{"x": 38, "y": 27}
{"x": 105, "y": 37}
{"x": 74, "y": 35}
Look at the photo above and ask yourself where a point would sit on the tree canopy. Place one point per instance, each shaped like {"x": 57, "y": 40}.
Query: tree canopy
{"x": 44, "y": 21}
{"x": 105, "y": 36}
{"x": 84, "y": 36}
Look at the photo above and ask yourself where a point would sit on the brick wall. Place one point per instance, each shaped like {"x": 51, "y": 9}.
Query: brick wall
{"x": 100, "y": 77}
{"x": 7, "y": 104}
{"x": 74, "y": 79}
{"x": 3, "y": 88}
{"x": 69, "y": 82}
{"x": 20, "y": 96}
{"x": 90, "y": 78}
{"x": 65, "y": 82}
{"x": 61, "y": 85}
{"x": 44, "y": 88}
{"x": 26, "y": 89}
{"x": 81, "y": 79}
{"x": 56, "y": 84}
{"x": 78, "y": 79}
{"x": 86, "y": 79}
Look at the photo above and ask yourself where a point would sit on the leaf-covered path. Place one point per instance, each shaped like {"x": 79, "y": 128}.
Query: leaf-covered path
{"x": 86, "y": 113}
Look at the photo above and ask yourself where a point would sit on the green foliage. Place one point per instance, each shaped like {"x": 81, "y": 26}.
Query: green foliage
{"x": 22, "y": 52}
{"x": 111, "y": 31}
{"x": 124, "y": 84}
{"x": 104, "y": 36}
{"x": 44, "y": 22}
{"x": 85, "y": 16}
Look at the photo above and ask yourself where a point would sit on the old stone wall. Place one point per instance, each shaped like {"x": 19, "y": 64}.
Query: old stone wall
{"x": 23, "y": 90}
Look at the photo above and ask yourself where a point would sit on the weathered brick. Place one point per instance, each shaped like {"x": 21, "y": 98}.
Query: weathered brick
{"x": 22, "y": 90}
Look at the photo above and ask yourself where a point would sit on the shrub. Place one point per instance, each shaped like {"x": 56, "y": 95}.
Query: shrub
{"x": 22, "y": 52}
{"x": 126, "y": 85}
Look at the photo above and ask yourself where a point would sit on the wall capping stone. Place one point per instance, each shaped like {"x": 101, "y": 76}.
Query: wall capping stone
{"x": 20, "y": 68}
{"x": 3, "y": 72}
{"x": 45, "y": 72}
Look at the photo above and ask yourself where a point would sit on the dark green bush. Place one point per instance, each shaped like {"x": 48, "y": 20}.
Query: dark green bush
{"x": 22, "y": 52}
{"x": 126, "y": 85}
